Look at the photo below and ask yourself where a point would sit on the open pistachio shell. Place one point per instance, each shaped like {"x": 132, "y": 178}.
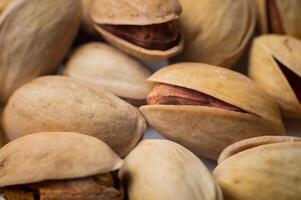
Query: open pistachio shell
{"x": 275, "y": 64}
{"x": 160, "y": 169}
{"x": 137, "y": 13}
{"x": 58, "y": 103}
{"x": 34, "y": 37}
{"x": 54, "y": 156}
{"x": 280, "y": 17}
{"x": 262, "y": 168}
{"x": 207, "y": 130}
{"x": 106, "y": 67}
{"x": 216, "y": 32}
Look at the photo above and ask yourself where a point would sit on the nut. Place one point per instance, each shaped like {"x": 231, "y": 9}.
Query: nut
{"x": 207, "y": 108}
{"x": 147, "y": 29}
{"x": 27, "y": 50}
{"x": 160, "y": 169}
{"x": 213, "y": 32}
{"x": 267, "y": 167}
{"x": 275, "y": 64}
{"x": 106, "y": 67}
{"x": 57, "y": 103}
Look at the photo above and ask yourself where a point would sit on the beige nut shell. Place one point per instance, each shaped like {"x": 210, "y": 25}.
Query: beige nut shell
{"x": 34, "y": 37}
{"x": 267, "y": 167}
{"x": 216, "y": 32}
{"x": 264, "y": 69}
{"x": 57, "y": 103}
{"x": 161, "y": 169}
{"x": 207, "y": 130}
{"x": 54, "y": 156}
{"x": 108, "y": 68}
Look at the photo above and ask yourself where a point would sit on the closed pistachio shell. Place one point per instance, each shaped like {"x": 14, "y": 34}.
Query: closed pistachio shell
{"x": 160, "y": 169}
{"x": 57, "y": 103}
{"x": 106, "y": 67}
{"x": 207, "y": 130}
{"x": 275, "y": 64}
{"x": 34, "y": 37}
{"x": 261, "y": 168}
{"x": 54, "y": 156}
{"x": 216, "y": 32}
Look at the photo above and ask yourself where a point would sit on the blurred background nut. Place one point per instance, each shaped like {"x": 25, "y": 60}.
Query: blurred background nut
{"x": 108, "y": 68}
{"x": 34, "y": 37}
{"x": 262, "y": 168}
{"x": 207, "y": 108}
{"x": 275, "y": 64}
{"x": 58, "y": 103}
{"x": 147, "y": 29}
{"x": 161, "y": 169}
{"x": 216, "y": 32}
{"x": 280, "y": 17}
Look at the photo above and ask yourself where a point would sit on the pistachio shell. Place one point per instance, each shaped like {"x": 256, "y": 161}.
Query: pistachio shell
{"x": 261, "y": 168}
{"x": 160, "y": 169}
{"x": 208, "y": 130}
{"x": 52, "y": 156}
{"x": 34, "y": 37}
{"x": 106, "y": 67}
{"x": 266, "y": 52}
{"x": 4, "y": 4}
{"x": 58, "y": 103}
{"x": 216, "y": 32}
{"x": 87, "y": 24}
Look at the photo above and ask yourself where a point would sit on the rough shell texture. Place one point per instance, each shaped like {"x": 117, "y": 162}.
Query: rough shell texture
{"x": 106, "y": 67}
{"x": 268, "y": 169}
{"x": 265, "y": 70}
{"x": 55, "y": 155}
{"x": 27, "y": 50}
{"x": 135, "y": 12}
{"x": 194, "y": 127}
{"x": 289, "y": 12}
{"x": 160, "y": 169}
{"x": 216, "y": 32}
{"x": 58, "y": 103}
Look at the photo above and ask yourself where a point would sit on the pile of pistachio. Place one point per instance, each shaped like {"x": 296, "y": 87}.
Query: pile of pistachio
{"x": 76, "y": 98}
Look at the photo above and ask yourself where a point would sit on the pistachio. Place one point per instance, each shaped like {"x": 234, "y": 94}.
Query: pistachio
{"x": 106, "y": 67}
{"x": 34, "y": 37}
{"x": 146, "y": 29}
{"x": 58, "y": 103}
{"x": 216, "y": 32}
{"x": 87, "y": 24}
{"x": 160, "y": 169}
{"x": 263, "y": 168}
{"x": 275, "y": 64}
{"x": 279, "y": 17}
{"x": 207, "y": 108}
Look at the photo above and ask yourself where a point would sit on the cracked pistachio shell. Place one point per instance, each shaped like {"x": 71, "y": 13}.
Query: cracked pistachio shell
{"x": 34, "y": 37}
{"x": 267, "y": 53}
{"x": 216, "y": 32}
{"x": 289, "y": 16}
{"x": 204, "y": 130}
{"x": 161, "y": 169}
{"x": 108, "y": 68}
{"x": 262, "y": 168}
{"x": 87, "y": 24}
{"x": 138, "y": 13}
{"x": 55, "y": 156}
{"x": 58, "y": 103}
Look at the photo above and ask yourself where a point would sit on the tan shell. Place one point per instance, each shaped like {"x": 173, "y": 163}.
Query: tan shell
{"x": 216, "y": 32}
{"x": 265, "y": 70}
{"x": 206, "y": 131}
{"x": 87, "y": 24}
{"x": 263, "y": 168}
{"x": 160, "y": 169}
{"x": 34, "y": 37}
{"x": 52, "y": 156}
{"x": 57, "y": 103}
{"x": 106, "y": 67}
{"x": 289, "y": 12}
